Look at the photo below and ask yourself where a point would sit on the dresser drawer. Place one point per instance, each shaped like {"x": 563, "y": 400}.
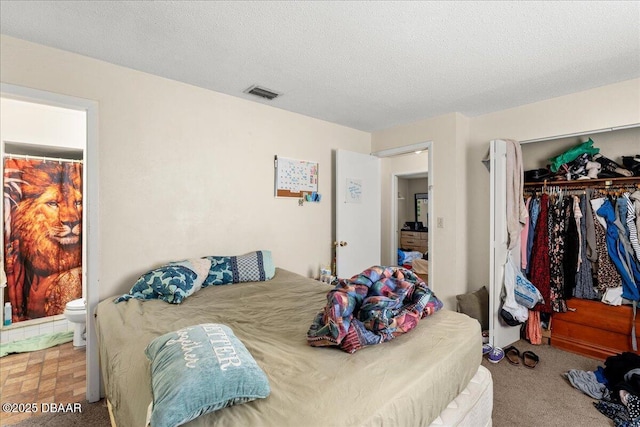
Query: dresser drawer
{"x": 594, "y": 329}
{"x": 414, "y": 235}
{"x": 413, "y": 244}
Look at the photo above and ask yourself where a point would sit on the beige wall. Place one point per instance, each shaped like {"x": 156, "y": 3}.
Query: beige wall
{"x": 403, "y": 205}
{"x": 187, "y": 172}
{"x": 44, "y": 125}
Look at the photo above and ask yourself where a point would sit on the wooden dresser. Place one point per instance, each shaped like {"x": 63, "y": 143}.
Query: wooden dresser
{"x": 414, "y": 240}
{"x": 594, "y": 329}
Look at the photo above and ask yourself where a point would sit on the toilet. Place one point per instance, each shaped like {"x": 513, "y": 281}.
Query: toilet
{"x": 76, "y": 312}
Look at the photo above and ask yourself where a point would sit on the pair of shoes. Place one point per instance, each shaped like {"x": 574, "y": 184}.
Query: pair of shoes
{"x": 495, "y": 355}
{"x": 530, "y": 359}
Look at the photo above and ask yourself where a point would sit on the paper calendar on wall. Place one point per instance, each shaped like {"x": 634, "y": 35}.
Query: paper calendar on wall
{"x": 294, "y": 177}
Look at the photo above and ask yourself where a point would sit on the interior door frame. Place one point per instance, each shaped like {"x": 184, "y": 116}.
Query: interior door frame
{"x": 91, "y": 217}
{"x": 394, "y": 206}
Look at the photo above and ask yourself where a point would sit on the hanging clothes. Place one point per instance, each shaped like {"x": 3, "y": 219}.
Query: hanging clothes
{"x": 631, "y": 225}
{"x": 584, "y": 279}
{"x": 621, "y": 214}
{"x": 607, "y": 275}
{"x": 517, "y": 214}
{"x": 534, "y": 211}
{"x": 619, "y": 252}
{"x": 590, "y": 235}
{"x": 635, "y": 198}
{"x": 524, "y": 237}
{"x": 534, "y": 328}
{"x": 571, "y": 248}
{"x": 577, "y": 216}
{"x": 558, "y": 212}
{"x": 539, "y": 262}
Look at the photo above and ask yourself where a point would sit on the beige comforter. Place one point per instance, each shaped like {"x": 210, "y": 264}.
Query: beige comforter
{"x": 407, "y": 381}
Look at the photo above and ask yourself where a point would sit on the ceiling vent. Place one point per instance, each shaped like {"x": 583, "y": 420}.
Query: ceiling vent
{"x": 262, "y": 92}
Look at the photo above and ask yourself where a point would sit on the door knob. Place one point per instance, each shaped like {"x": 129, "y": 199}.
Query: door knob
{"x": 342, "y": 243}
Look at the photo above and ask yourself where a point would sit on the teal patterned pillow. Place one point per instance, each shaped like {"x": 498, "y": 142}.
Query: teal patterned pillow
{"x": 255, "y": 266}
{"x": 171, "y": 283}
{"x": 201, "y": 369}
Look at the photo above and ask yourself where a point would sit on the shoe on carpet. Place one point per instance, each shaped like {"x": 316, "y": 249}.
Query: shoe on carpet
{"x": 512, "y": 354}
{"x": 486, "y": 349}
{"x": 496, "y": 355}
{"x": 530, "y": 359}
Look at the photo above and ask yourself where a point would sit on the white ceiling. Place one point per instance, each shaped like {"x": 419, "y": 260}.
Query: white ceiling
{"x": 366, "y": 65}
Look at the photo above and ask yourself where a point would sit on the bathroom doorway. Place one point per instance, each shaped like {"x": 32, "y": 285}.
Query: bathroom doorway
{"x": 51, "y": 128}
{"x": 42, "y": 150}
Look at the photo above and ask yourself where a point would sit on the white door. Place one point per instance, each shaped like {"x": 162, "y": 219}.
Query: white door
{"x": 500, "y": 334}
{"x": 358, "y": 212}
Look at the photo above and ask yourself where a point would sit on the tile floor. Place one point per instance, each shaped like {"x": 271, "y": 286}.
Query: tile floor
{"x": 52, "y": 375}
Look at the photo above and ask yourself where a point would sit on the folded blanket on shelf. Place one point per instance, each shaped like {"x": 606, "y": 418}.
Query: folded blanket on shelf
{"x": 372, "y": 307}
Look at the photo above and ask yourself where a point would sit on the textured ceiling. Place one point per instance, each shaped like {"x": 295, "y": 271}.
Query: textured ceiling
{"x": 366, "y": 65}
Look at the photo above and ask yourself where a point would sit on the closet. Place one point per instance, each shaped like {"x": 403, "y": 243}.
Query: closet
{"x": 588, "y": 327}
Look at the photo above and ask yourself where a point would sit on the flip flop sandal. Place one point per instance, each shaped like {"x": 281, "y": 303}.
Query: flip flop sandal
{"x": 530, "y": 359}
{"x": 512, "y": 354}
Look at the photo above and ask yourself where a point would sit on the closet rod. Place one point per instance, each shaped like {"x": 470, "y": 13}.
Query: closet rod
{"x": 576, "y": 186}
{"x": 571, "y": 135}
{"x": 632, "y": 180}
{"x": 43, "y": 158}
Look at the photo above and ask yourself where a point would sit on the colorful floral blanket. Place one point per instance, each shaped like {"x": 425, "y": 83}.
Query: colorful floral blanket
{"x": 372, "y": 307}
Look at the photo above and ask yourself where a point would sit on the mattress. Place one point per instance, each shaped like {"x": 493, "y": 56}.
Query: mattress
{"x": 407, "y": 381}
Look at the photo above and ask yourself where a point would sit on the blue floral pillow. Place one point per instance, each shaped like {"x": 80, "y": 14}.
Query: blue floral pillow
{"x": 201, "y": 369}
{"x": 255, "y": 266}
{"x": 171, "y": 283}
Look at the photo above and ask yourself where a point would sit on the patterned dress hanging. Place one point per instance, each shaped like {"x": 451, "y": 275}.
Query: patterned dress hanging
{"x": 539, "y": 261}
{"x": 558, "y": 212}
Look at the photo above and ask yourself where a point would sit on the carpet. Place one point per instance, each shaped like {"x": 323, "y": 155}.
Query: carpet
{"x": 542, "y": 397}
{"x": 90, "y": 414}
{"x": 36, "y": 343}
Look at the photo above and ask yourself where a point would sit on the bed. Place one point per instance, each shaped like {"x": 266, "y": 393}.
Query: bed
{"x": 430, "y": 376}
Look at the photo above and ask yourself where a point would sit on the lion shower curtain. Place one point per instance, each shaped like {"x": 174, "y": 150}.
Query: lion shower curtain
{"x": 42, "y": 235}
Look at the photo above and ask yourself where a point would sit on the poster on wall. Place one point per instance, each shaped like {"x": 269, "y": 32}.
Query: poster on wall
{"x": 294, "y": 177}
{"x": 354, "y": 190}
{"x": 42, "y": 235}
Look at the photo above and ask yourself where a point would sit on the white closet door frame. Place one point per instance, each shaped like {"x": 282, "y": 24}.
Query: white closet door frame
{"x": 500, "y": 334}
